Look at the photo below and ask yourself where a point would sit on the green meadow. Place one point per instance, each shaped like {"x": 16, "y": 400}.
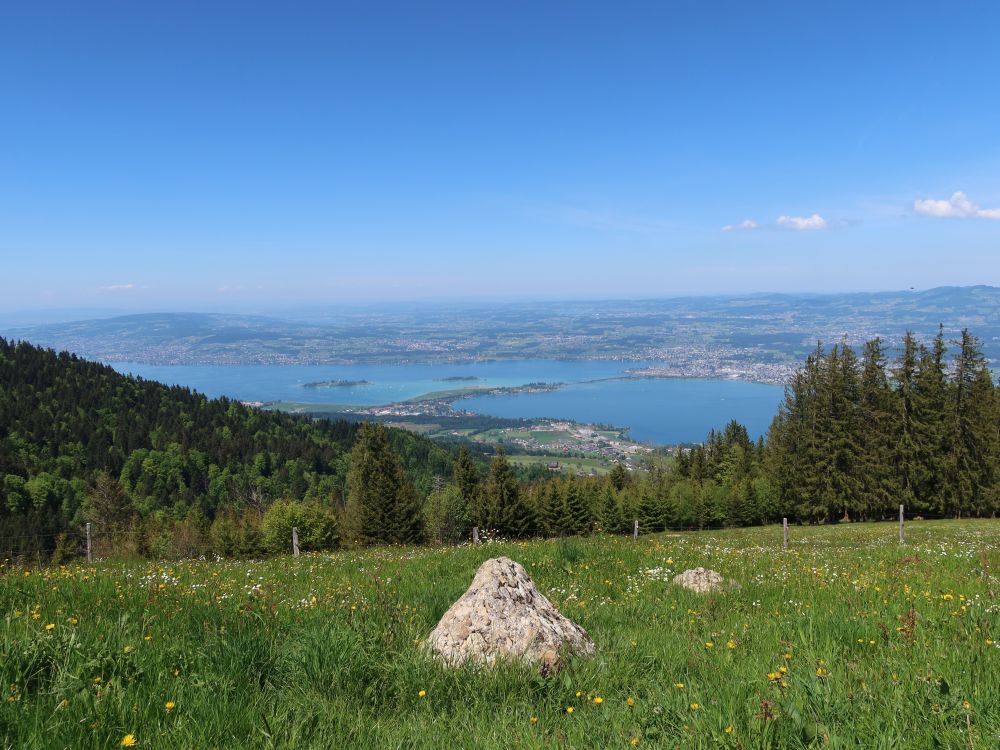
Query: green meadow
{"x": 848, "y": 639}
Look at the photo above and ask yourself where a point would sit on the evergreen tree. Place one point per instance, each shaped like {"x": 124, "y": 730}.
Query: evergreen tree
{"x": 382, "y": 505}
{"x": 905, "y": 448}
{"x": 931, "y": 430}
{"x": 466, "y": 477}
{"x": 972, "y": 399}
{"x": 877, "y": 431}
{"x": 576, "y": 515}
{"x": 504, "y": 512}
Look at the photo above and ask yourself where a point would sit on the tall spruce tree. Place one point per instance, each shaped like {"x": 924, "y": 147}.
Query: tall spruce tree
{"x": 877, "y": 431}
{"x": 504, "y": 511}
{"x": 931, "y": 406}
{"x": 972, "y": 399}
{"x": 382, "y": 505}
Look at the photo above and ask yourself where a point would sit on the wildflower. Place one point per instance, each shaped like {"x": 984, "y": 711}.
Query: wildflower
{"x": 635, "y": 742}
{"x": 170, "y": 706}
{"x": 422, "y": 694}
{"x": 821, "y": 672}
{"x": 598, "y": 700}
{"x": 578, "y": 693}
{"x": 730, "y": 645}
{"x": 73, "y": 621}
{"x": 630, "y": 701}
{"x": 50, "y": 627}
{"x": 129, "y": 740}
{"x": 966, "y": 705}
{"x": 533, "y": 720}
{"x": 678, "y": 685}
{"x": 695, "y": 706}
{"x": 709, "y": 644}
{"x": 569, "y": 709}
{"x": 729, "y": 729}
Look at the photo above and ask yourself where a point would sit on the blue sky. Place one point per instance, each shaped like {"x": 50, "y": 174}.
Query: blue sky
{"x": 211, "y": 155}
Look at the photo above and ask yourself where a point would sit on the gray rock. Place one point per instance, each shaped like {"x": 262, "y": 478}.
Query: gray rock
{"x": 700, "y": 580}
{"x": 503, "y": 616}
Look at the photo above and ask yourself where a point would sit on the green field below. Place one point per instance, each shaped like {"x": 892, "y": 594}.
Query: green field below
{"x": 585, "y": 465}
{"x": 848, "y": 639}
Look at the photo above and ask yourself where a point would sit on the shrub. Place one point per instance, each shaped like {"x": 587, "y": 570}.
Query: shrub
{"x": 316, "y": 524}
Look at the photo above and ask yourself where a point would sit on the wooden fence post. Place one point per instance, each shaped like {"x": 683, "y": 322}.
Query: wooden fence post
{"x": 88, "y": 542}
{"x": 635, "y": 531}
{"x": 295, "y": 541}
{"x": 901, "y": 519}
{"x": 475, "y": 535}
{"x": 784, "y": 525}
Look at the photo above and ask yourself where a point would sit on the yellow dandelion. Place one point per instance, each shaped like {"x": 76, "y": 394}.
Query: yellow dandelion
{"x": 569, "y": 709}
{"x": 678, "y": 685}
{"x": 695, "y": 706}
{"x": 730, "y": 645}
{"x": 729, "y": 729}
{"x": 129, "y": 740}
{"x": 598, "y": 700}
{"x": 709, "y": 644}
{"x": 635, "y": 742}
{"x": 422, "y": 694}
{"x": 966, "y": 705}
{"x": 533, "y": 720}
{"x": 50, "y": 627}
{"x": 170, "y": 706}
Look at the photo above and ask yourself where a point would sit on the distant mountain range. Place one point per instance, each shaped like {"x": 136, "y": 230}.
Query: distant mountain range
{"x": 767, "y": 328}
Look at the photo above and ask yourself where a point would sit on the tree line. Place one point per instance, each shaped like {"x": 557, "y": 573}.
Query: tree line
{"x": 162, "y": 471}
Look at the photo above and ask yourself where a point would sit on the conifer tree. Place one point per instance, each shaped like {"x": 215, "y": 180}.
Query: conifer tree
{"x": 931, "y": 429}
{"x": 576, "y": 516}
{"x": 466, "y": 477}
{"x": 503, "y": 508}
{"x": 876, "y": 412}
{"x": 382, "y": 505}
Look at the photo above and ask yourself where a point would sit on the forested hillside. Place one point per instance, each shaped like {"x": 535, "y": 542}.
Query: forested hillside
{"x": 80, "y": 442}
{"x": 166, "y": 472}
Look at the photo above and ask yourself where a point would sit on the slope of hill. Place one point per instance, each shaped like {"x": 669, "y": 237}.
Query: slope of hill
{"x": 64, "y": 421}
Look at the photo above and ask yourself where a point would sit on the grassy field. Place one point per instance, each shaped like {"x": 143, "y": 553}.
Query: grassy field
{"x": 846, "y": 640}
{"x": 566, "y": 463}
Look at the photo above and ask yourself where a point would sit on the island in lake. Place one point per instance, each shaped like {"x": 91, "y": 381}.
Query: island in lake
{"x": 335, "y": 383}
{"x": 457, "y": 379}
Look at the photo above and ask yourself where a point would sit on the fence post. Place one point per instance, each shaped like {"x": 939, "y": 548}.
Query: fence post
{"x": 295, "y": 541}
{"x": 784, "y": 526}
{"x": 901, "y": 519}
{"x": 635, "y": 531}
{"x": 475, "y": 535}
{"x": 88, "y": 542}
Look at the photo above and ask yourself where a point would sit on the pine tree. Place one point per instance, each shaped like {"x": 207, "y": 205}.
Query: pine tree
{"x": 504, "y": 511}
{"x": 466, "y": 477}
{"x": 876, "y": 412}
{"x": 576, "y": 515}
{"x": 931, "y": 430}
{"x": 905, "y": 450}
{"x": 972, "y": 397}
{"x": 609, "y": 514}
{"x": 382, "y": 505}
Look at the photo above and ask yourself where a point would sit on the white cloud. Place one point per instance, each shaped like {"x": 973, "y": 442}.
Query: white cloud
{"x": 745, "y": 224}
{"x": 957, "y": 207}
{"x": 802, "y": 222}
{"x": 118, "y": 287}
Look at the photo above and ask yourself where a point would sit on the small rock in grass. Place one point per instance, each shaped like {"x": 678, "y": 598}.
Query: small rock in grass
{"x": 701, "y": 580}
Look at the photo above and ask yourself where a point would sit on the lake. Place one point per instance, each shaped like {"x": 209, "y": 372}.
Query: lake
{"x": 656, "y": 410}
